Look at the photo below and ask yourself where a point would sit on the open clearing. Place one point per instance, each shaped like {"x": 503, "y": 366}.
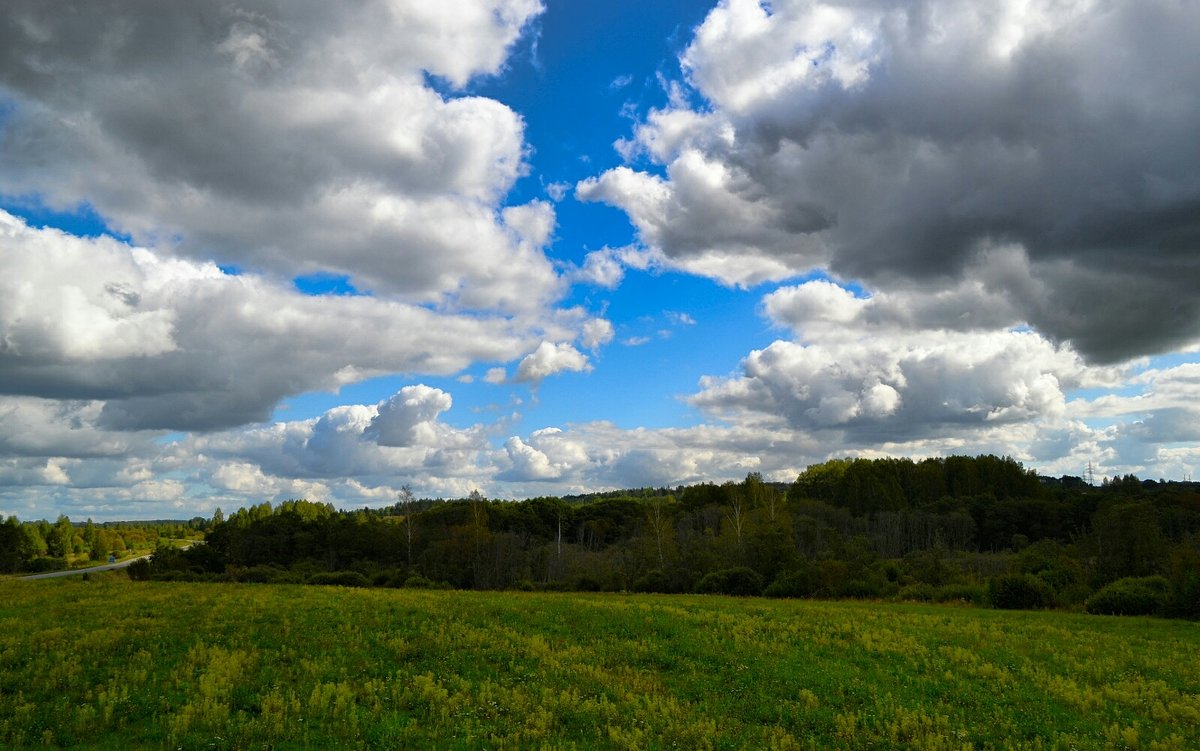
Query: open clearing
{"x": 104, "y": 663}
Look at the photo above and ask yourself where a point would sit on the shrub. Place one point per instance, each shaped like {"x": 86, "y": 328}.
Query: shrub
{"x": 1020, "y": 592}
{"x": 866, "y": 589}
{"x": 339, "y": 579}
{"x": 739, "y": 580}
{"x": 416, "y": 581}
{"x": 655, "y": 580}
{"x": 46, "y": 563}
{"x": 1184, "y": 601}
{"x": 802, "y": 582}
{"x": 972, "y": 593}
{"x": 587, "y": 583}
{"x": 139, "y": 570}
{"x": 919, "y": 592}
{"x": 1130, "y": 596}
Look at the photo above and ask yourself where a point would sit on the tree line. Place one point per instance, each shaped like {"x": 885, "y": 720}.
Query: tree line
{"x": 35, "y": 546}
{"x": 980, "y": 528}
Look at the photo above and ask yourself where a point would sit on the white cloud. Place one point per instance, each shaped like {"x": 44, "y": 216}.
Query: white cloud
{"x": 289, "y": 139}
{"x": 496, "y": 375}
{"x": 602, "y": 268}
{"x": 153, "y": 342}
{"x": 407, "y": 419}
{"x": 596, "y": 333}
{"x": 551, "y": 359}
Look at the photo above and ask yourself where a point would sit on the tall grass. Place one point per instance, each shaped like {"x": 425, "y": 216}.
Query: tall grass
{"x": 109, "y": 663}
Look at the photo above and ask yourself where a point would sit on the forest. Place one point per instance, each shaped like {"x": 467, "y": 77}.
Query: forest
{"x": 978, "y": 529}
{"x": 33, "y": 547}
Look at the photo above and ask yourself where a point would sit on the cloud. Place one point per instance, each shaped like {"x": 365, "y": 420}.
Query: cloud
{"x": 155, "y": 343}
{"x": 408, "y": 417}
{"x": 603, "y": 268}
{"x": 902, "y": 145}
{"x": 890, "y": 367}
{"x": 596, "y": 333}
{"x": 550, "y": 359}
{"x": 287, "y": 139}
{"x": 496, "y": 375}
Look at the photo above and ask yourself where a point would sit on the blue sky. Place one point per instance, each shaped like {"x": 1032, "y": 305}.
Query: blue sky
{"x": 325, "y": 250}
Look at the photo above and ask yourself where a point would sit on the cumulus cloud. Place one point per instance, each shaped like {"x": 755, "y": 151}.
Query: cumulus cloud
{"x": 596, "y": 333}
{"x": 156, "y": 343}
{"x": 890, "y": 367}
{"x": 551, "y": 359}
{"x": 407, "y": 419}
{"x": 289, "y": 139}
{"x": 903, "y": 144}
{"x": 603, "y": 268}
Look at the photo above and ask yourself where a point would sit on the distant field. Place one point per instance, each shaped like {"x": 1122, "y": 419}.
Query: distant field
{"x": 107, "y": 663}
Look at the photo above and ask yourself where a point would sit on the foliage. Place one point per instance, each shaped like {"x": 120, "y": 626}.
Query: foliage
{"x": 1130, "y": 596}
{"x": 1020, "y": 592}
{"x": 111, "y": 663}
{"x": 340, "y": 579}
{"x": 937, "y": 529}
{"x": 739, "y": 580}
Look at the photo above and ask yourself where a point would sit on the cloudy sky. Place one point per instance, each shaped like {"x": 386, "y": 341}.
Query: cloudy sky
{"x": 264, "y": 249}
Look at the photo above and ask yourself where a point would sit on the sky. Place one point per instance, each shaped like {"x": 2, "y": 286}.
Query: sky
{"x": 256, "y": 250}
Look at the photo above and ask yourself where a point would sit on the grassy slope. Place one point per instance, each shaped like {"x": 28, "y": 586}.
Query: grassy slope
{"x": 109, "y": 663}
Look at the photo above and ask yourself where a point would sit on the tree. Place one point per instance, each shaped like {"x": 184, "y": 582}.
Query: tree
{"x": 61, "y": 538}
{"x": 405, "y": 500}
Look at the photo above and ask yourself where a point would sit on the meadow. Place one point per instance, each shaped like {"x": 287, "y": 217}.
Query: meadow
{"x": 108, "y": 663}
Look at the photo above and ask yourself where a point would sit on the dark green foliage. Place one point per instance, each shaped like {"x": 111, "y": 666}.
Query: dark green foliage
{"x": 1130, "y": 596}
{"x": 587, "y": 583}
{"x": 966, "y": 593}
{"x": 801, "y": 582}
{"x": 139, "y": 570}
{"x": 739, "y": 580}
{"x": 339, "y": 579}
{"x": 1020, "y": 592}
{"x": 934, "y": 530}
{"x": 919, "y": 592}
{"x": 655, "y": 580}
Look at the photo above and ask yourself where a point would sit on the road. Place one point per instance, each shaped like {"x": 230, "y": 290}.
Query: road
{"x": 88, "y": 570}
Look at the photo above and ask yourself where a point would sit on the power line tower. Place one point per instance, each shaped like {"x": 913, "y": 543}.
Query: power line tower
{"x": 1091, "y": 475}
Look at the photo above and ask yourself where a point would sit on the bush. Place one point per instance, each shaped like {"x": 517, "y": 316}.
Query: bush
{"x": 1020, "y": 592}
{"x": 46, "y": 563}
{"x": 739, "y": 580}
{"x": 1130, "y": 596}
{"x": 587, "y": 583}
{"x": 339, "y": 579}
{"x": 802, "y": 582}
{"x": 1184, "y": 601}
{"x": 972, "y": 593}
{"x": 139, "y": 570}
{"x": 866, "y": 589}
{"x": 919, "y": 592}
{"x": 416, "y": 581}
{"x": 655, "y": 580}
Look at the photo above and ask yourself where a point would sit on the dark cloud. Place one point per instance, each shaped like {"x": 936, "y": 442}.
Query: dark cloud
{"x": 898, "y": 144}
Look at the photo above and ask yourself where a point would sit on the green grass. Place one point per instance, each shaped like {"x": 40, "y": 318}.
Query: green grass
{"x": 108, "y": 663}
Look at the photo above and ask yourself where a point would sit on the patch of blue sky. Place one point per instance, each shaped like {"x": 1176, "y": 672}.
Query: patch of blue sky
{"x": 577, "y": 81}
{"x": 1134, "y": 386}
{"x": 325, "y": 284}
{"x": 82, "y": 220}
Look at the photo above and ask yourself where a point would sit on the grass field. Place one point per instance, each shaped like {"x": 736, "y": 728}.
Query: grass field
{"x": 107, "y": 663}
